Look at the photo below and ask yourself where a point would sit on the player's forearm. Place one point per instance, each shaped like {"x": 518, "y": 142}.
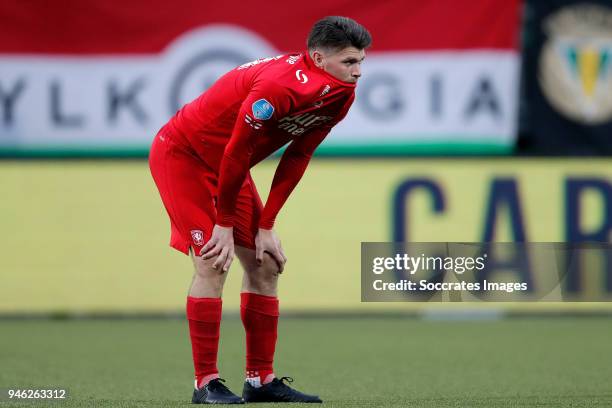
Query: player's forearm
{"x": 231, "y": 176}
{"x": 288, "y": 174}
{"x": 234, "y": 168}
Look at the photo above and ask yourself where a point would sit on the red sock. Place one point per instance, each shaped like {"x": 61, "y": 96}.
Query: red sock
{"x": 204, "y": 315}
{"x": 259, "y": 315}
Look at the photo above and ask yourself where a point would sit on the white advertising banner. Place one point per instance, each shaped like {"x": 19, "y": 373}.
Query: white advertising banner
{"x": 425, "y": 97}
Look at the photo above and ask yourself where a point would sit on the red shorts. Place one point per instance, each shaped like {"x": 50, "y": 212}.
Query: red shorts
{"x": 188, "y": 189}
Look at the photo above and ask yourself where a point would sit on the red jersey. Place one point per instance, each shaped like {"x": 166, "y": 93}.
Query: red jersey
{"x": 251, "y": 112}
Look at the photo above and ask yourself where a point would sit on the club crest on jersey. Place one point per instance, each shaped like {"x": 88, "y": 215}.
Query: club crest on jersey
{"x": 262, "y": 109}
{"x": 198, "y": 237}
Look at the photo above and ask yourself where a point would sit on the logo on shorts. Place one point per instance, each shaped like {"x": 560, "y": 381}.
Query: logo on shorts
{"x": 262, "y": 109}
{"x": 198, "y": 237}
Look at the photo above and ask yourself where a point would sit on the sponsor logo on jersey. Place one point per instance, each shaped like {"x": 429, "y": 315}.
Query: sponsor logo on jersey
{"x": 298, "y": 124}
{"x": 301, "y": 76}
{"x": 325, "y": 90}
{"x": 262, "y": 109}
{"x": 252, "y": 122}
{"x": 198, "y": 237}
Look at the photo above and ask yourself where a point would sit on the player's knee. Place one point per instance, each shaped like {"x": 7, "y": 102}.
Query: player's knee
{"x": 269, "y": 269}
{"x": 208, "y": 281}
{"x": 204, "y": 269}
{"x": 264, "y": 277}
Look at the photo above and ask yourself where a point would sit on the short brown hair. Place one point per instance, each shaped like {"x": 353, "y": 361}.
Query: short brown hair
{"x": 337, "y": 32}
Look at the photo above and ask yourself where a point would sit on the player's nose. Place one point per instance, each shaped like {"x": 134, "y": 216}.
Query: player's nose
{"x": 356, "y": 72}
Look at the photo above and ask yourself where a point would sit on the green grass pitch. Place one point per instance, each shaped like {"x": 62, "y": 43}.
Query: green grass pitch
{"x": 350, "y": 362}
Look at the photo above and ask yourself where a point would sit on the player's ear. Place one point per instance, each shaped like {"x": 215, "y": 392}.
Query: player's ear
{"x": 317, "y": 57}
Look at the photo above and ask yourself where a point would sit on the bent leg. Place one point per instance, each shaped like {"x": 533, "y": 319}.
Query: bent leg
{"x": 186, "y": 186}
{"x": 204, "y": 306}
{"x": 259, "y": 312}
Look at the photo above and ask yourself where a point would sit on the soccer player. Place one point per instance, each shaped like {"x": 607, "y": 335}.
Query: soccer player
{"x": 200, "y": 161}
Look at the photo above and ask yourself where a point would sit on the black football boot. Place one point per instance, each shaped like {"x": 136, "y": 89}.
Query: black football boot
{"x": 215, "y": 392}
{"x": 276, "y": 391}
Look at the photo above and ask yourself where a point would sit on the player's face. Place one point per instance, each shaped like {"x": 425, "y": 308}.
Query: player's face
{"x": 344, "y": 64}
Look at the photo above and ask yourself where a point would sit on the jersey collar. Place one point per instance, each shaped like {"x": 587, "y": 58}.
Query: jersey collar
{"x": 312, "y": 67}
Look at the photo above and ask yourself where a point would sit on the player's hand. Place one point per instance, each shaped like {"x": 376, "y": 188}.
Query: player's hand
{"x": 267, "y": 241}
{"x": 221, "y": 245}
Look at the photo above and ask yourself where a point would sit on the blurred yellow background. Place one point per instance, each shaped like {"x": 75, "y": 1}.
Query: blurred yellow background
{"x": 92, "y": 236}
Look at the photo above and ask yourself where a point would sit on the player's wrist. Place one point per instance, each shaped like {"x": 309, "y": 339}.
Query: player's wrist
{"x": 230, "y": 227}
{"x": 266, "y": 225}
{"x": 225, "y": 221}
